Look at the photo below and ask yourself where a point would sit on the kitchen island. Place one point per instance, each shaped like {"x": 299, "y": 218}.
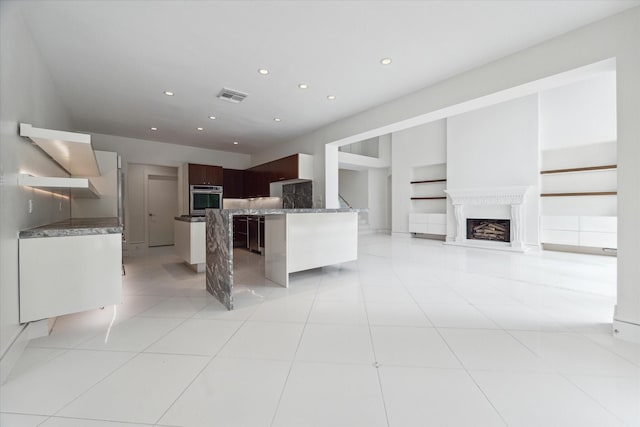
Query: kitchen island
{"x": 295, "y": 240}
{"x": 189, "y": 240}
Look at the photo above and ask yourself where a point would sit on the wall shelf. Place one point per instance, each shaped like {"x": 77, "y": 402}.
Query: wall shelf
{"x": 429, "y": 198}
{"x": 592, "y": 193}
{"x": 582, "y": 169}
{"x": 72, "y": 151}
{"x": 427, "y": 207}
{"x": 79, "y": 187}
{"x": 428, "y": 181}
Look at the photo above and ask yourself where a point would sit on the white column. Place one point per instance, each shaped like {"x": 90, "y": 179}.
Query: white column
{"x": 516, "y": 226}
{"x": 331, "y": 177}
{"x": 626, "y": 322}
{"x": 459, "y": 214}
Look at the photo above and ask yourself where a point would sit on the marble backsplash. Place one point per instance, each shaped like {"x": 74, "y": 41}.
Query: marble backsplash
{"x": 298, "y": 195}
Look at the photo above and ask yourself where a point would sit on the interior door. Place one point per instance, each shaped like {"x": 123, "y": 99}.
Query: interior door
{"x": 162, "y": 204}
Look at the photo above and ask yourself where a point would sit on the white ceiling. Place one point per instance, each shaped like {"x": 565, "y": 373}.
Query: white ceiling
{"x": 112, "y": 60}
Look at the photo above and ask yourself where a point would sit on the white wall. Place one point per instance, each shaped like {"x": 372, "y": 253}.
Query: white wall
{"x": 417, "y": 146}
{"x": 581, "y": 113}
{"x": 378, "y": 199}
{"x": 160, "y": 153}
{"x": 354, "y": 187}
{"x": 367, "y": 189}
{"x": 603, "y": 153}
{"x": 106, "y": 184}
{"x": 578, "y": 129}
{"x": 28, "y": 95}
{"x": 497, "y": 146}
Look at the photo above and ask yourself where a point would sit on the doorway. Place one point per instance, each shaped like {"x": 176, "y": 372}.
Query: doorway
{"x": 162, "y": 207}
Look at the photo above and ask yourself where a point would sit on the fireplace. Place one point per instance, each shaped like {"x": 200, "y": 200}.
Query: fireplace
{"x": 481, "y": 204}
{"x": 497, "y": 230}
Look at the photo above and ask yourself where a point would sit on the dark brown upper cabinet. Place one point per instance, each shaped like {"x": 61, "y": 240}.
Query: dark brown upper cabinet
{"x": 255, "y": 181}
{"x": 233, "y": 183}
{"x": 205, "y": 175}
{"x": 283, "y": 169}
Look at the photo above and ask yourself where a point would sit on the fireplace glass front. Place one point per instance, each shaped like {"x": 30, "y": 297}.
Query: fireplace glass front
{"x": 498, "y": 230}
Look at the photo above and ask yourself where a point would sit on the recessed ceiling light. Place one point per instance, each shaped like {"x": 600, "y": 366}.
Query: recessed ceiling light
{"x": 303, "y": 86}
{"x": 385, "y": 61}
{"x": 212, "y": 117}
{"x": 168, "y": 93}
{"x": 235, "y": 142}
{"x": 200, "y": 128}
{"x": 263, "y": 71}
{"x": 154, "y": 128}
{"x": 331, "y": 97}
{"x": 277, "y": 119}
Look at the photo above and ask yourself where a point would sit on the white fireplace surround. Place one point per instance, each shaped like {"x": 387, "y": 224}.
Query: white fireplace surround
{"x": 512, "y": 196}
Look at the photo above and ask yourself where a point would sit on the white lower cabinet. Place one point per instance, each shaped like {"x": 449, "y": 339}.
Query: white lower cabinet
{"x": 589, "y": 231}
{"x": 69, "y": 274}
{"x": 190, "y": 240}
{"x": 428, "y": 223}
{"x": 560, "y": 237}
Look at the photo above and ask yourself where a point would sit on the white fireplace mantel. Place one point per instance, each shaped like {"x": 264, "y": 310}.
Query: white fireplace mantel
{"x": 488, "y": 196}
{"x": 512, "y": 196}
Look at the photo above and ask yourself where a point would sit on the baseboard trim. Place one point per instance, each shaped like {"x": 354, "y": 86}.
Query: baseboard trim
{"x": 30, "y": 331}
{"x": 580, "y": 249}
{"x": 440, "y": 237}
{"x": 626, "y": 331}
{"x": 198, "y": 268}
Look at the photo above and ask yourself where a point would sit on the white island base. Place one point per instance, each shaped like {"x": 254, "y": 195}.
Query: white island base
{"x": 297, "y": 242}
{"x": 189, "y": 241}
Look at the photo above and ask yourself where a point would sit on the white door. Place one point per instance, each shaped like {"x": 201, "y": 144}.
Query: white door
{"x": 162, "y": 204}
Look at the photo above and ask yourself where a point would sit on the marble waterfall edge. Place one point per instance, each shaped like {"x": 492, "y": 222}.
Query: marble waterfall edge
{"x": 219, "y": 256}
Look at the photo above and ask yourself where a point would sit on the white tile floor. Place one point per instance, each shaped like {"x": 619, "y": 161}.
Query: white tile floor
{"x": 413, "y": 334}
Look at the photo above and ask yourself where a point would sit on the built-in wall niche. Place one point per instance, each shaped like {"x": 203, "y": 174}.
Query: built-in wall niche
{"x": 428, "y": 183}
{"x": 579, "y": 189}
{"x": 428, "y": 201}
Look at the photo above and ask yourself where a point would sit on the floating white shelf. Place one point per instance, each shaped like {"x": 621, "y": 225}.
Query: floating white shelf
{"x": 79, "y": 187}
{"x": 73, "y": 151}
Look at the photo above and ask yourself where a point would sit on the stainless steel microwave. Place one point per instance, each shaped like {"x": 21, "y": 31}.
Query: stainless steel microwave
{"x": 203, "y": 197}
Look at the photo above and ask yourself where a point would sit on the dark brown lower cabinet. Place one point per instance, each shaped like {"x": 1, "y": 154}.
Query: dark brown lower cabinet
{"x": 240, "y": 232}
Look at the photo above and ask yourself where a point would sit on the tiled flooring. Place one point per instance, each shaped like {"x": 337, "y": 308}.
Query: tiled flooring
{"x": 413, "y": 334}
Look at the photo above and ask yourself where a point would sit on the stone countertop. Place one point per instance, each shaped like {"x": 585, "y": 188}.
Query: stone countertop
{"x": 261, "y": 212}
{"x": 286, "y": 211}
{"x": 74, "y": 227}
{"x": 191, "y": 218}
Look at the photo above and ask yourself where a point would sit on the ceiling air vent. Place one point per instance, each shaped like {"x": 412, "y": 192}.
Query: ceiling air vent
{"x": 232, "y": 95}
